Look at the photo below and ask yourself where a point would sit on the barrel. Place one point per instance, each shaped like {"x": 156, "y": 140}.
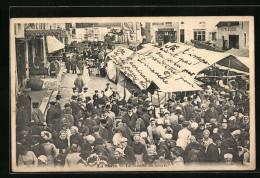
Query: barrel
{"x": 35, "y": 84}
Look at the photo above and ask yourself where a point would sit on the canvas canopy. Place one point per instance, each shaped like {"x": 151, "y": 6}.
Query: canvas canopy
{"x": 118, "y": 57}
{"x": 53, "y": 44}
{"x": 173, "y": 67}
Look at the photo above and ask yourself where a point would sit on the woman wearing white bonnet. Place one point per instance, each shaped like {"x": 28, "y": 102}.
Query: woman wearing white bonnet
{"x": 42, "y": 160}
{"x": 228, "y": 158}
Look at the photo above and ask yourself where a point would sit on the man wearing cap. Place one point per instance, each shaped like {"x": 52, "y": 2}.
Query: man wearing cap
{"x": 37, "y": 115}
{"x": 79, "y": 83}
{"x": 130, "y": 117}
{"x": 213, "y": 151}
{"x": 85, "y": 93}
{"x": 24, "y": 100}
{"x": 110, "y": 116}
{"x": 139, "y": 150}
{"x": 210, "y": 113}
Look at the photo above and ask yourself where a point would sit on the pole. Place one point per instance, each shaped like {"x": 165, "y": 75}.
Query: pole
{"x": 159, "y": 99}
{"x": 125, "y": 85}
{"x": 228, "y": 69}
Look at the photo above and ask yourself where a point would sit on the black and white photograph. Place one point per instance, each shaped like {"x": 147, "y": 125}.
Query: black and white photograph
{"x": 132, "y": 94}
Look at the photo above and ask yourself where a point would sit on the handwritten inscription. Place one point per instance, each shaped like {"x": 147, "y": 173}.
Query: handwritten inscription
{"x": 183, "y": 79}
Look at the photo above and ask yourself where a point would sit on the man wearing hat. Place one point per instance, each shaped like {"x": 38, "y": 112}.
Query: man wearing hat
{"x": 230, "y": 149}
{"x": 104, "y": 131}
{"x": 213, "y": 153}
{"x": 130, "y": 117}
{"x": 107, "y": 87}
{"x": 75, "y": 91}
{"x": 189, "y": 108}
{"x": 24, "y": 100}
{"x": 37, "y": 115}
{"x": 95, "y": 98}
{"x": 210, "y": 113}
{"x": 224, "y": 114}
{"x": 51, "y": 113}
{"x": 128, "y": 151}
{"x": 89, "y": 105}
{"x": 57, "y": 105}
{"x": 110, "y": 116}
{"x": 123, "y": 129}
{"x": 79, "y": 82}
{"x": 224, "y": 130}
{"x": 115, "y": 108}
{"x": 80, "y": 65}
{"x": 177, "y": 104}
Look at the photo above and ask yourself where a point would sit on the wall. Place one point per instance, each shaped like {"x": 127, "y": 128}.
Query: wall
{"x": 189, "y": 26}
{"x": 234, "y": 30}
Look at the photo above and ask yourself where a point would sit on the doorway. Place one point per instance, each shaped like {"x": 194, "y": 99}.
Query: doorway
{"x": 165, "y": 39}
{"x": 20, "y": 62}
{"x": 182, "y": 35}
{"x": 233, "y": 41}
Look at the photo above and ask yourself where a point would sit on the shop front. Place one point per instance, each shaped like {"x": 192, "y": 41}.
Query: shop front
{"x": 165, "y": 35}
{"x": 42, "y": 46}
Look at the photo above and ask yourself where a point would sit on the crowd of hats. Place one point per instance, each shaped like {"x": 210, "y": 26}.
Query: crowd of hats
{"x": 181, "y": 131}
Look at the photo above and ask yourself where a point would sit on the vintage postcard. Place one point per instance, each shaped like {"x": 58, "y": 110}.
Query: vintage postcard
{"x": 132, "y": 94}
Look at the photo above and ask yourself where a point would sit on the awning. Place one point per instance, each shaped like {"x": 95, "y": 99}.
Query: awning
{"x": 53, "y": 44}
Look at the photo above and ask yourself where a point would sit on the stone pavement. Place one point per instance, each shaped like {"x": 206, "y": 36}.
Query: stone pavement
{"x": 92, "y": 83}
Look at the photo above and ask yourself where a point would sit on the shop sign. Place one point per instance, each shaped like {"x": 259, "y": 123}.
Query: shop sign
{"x": 229, "y": 29}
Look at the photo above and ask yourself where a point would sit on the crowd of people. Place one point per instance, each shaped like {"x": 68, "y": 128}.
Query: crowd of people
{"x": 103, "y": 130}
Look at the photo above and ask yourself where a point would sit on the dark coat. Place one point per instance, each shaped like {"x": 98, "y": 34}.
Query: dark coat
{"x": 121, "y": 162}
{"x": 212, "y": 154}
{"x": 90, "y": 107}
{"x": 61, "y": 144}
{"x": 188, "y": 110}
{"x": 68, "y": 63}
{"x": 129, "y": 155}
{"x": 25, "y": 101}
{"x": 210, "y": 115}
{"x": 115, "y": 109}
{"x": 130, "y": 121}
{"x": 106, "y": 133}
{"x": 22, "y": 118}
{"x": 51, "y": 115}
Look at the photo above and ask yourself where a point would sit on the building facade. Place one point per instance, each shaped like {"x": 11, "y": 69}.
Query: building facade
{"x": 161, "y": 32}
{"x": 233, "y": 34}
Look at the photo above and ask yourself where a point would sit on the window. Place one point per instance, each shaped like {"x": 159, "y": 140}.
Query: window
{"x": 244, "y": 39}
{"x": 214, "y": 36}
{"x": 182, "y": 22}
{"x": 199, "y": 35}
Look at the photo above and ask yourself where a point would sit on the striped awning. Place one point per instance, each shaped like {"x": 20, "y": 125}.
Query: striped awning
{"x": 53, "y": 44}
